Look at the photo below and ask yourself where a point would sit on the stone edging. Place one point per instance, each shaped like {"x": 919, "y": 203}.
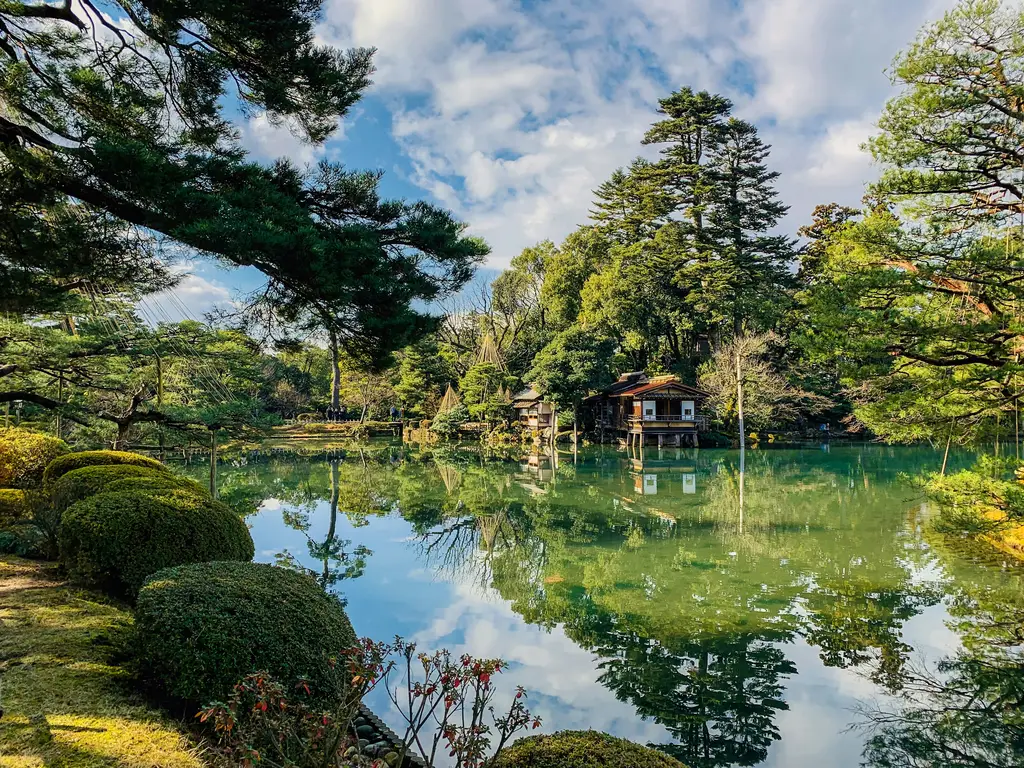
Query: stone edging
{"x": 412, "y": 760}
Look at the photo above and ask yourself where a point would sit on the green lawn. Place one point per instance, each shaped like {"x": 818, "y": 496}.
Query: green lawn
{"x": 65, "y": 703}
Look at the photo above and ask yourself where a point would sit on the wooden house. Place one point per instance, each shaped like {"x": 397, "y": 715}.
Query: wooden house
{"x": 643, "y": 410}
{"x": 532, "y": 410}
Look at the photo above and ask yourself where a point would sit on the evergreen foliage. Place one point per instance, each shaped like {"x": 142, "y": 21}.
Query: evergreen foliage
{"x": 201, "y": 628}
{"x": 88, "y": 481}
{"x": 25, "y": 455}
{"x": 62, "y": 465}
{"x": 115, "y": 540}
{"x": 581, "y": 749}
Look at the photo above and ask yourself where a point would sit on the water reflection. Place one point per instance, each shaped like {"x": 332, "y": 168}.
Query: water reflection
{"x": 691, "y": 579}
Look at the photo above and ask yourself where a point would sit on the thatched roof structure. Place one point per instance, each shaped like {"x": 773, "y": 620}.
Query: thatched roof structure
{"x": 450, "y": 400}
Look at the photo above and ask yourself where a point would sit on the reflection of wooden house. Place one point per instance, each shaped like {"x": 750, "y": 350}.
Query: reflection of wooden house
{"x": 674, "y": 472}
{"x": 539, "y": 465}
{"x": 644, "y": 410}
{"x": 532, "y": 410}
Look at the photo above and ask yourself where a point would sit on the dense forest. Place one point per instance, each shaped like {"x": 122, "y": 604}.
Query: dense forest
{"x": 898, "y": 319}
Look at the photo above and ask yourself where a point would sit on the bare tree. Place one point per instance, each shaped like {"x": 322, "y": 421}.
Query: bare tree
{"x": 747, "y": 390}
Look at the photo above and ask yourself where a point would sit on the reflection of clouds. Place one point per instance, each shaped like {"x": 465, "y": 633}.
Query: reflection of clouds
{"x": 560, "y": 678}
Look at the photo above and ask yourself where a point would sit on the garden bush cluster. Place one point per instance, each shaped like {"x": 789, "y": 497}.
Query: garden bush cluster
{"x": 115, "y": 540}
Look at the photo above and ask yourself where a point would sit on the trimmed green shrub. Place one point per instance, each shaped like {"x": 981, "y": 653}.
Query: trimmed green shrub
{"x": 25, "y": 455}
{"x": 199, "y": 629}
{"x": 73, "y": 461}
{"x": 158, "y": 484}
{"x": 581, "y": 749}
{"x": 115, "y": 540}
{"x": 88, "y": 481}
{"x": 13, "y": 506}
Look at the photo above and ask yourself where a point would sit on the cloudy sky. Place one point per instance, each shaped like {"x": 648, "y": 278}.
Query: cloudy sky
{"x": 510, "y": 112}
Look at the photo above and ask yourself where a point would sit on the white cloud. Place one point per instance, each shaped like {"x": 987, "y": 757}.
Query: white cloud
{"x": 512, "y": 114}
{"x": 480, "y": 623}
{"x": 191, "y": 298}
{"x": 269, "y": 141}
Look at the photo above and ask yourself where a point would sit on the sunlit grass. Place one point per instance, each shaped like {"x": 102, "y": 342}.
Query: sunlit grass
{"x": 66, "y": 704}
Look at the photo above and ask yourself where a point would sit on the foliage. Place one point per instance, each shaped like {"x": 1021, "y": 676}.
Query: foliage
{"x": 201, "y": 628}
{"x": 13, "y": 506}
{"x": 484, "y": 391}
{"x": 574, "y": 364}
{"x": 81, "y": 483}
{"x": 24, "y": 456}
{"x": 150, "y": 91}
{"x": 116, "y": 540}
{"x": 582, "y": 749}
{"x": 70, "y": 462}
{"x": 920, "y": 299}
{"x": 92, "y": 717}
{"x": 422, "y": 376}
{"x": 447, "y": 706}
{"x": 263, "y": 722}
{"x": 447, "y": 424}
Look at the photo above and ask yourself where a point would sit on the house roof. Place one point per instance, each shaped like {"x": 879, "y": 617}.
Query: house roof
{"x": 667, "y": 383}
{"x": 527, "y": 396}
{"x": 626, "y": 381}
{"x": 638, "y": 383}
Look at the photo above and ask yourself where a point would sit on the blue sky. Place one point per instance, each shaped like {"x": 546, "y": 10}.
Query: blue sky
{"x": 510, "y": 112}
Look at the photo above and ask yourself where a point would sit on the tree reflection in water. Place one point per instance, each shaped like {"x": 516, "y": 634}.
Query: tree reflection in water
{"x": 688, "y": 597}
{"x": 967, "y": 711}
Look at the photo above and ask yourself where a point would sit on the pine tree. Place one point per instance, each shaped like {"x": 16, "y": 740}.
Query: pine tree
{"x": 743, "y": 208}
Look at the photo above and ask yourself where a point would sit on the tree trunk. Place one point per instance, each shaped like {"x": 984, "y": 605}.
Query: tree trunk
{"x": 213, "y": 463}
{"x": 362, "y": 415}
{"x": 743, "y": 468}
{"x": 739, "y": 396}
{"x": 335, "y": 372}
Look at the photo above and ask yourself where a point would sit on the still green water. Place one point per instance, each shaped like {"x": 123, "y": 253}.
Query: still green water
{"x": 732, "y": 618}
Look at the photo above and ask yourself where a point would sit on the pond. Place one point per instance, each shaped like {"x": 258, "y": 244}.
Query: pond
{"x": 731, "y": 618}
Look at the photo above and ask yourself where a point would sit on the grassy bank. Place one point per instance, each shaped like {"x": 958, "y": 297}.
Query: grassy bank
{"x": 65, "y": 702}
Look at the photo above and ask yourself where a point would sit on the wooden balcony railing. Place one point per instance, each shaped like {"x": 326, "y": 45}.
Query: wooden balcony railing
{"x": 700, "y": 421}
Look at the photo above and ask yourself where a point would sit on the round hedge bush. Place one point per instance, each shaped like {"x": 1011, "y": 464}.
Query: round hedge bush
{"x": 581, "y": 749}
{"x": 158, "y": 484}
{"x": 13, "y": 506}
{"x": 115, "y": 540}
{"x": 82, "y": 483}
{"x": 72, "y": 461}
{"x": 24, "y": 457}
{"x": 201, "y": 628}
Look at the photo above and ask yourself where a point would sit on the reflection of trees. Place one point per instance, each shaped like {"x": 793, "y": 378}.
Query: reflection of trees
{"x": 685, "y": 606}
{"x": 853, "y": 623}
{"x": 967, "y": 711}
{"x": 716, "y": 694}
{"x": 332, "y": 552}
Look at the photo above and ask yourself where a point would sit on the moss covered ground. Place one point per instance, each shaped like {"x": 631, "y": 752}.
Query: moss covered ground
{"x": 66, "y": 703}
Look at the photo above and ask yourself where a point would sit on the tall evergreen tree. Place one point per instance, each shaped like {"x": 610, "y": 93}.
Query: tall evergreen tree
{"x": 744, "y": 207}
